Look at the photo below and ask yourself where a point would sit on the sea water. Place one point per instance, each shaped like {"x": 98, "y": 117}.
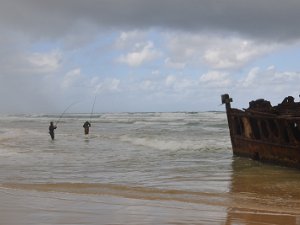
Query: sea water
{"x": 174, "y": 162}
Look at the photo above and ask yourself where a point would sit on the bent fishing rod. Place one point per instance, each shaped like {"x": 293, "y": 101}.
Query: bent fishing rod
{"x": 93, "y": 108}
{"x": 65, "y": 112}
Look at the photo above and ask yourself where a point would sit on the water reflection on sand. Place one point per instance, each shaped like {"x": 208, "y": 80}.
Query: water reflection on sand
{"x": 263, "y": 194}
{"x": 259, "y": 194}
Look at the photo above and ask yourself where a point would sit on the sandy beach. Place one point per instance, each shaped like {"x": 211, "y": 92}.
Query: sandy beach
{"x": 24, "y": 207}
{"x": 35, "y": 208}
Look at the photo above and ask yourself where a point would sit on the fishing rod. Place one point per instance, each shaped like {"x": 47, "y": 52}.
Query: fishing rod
{"x": 65, "y": 111}
{"x": 93, "y": 108}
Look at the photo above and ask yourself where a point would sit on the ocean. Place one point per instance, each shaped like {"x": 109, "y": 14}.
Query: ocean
{"x": 137, "y": 168}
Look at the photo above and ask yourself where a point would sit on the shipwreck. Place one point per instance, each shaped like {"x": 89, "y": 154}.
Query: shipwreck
{"x": 264, "y": 132}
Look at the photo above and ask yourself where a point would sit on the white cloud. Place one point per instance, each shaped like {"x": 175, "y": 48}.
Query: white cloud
{"x": 215, "y": 79}
{"x": 107, "y": 85}
{"x": 180, "y": 84}
{"x": 129, "y": 38}
{"x": 268, "y": 83}
{"x": 155, "y": 72}
{"x": 216, "y": 52}
{"x": 251, "y": 78}
{"x": 45, "y": 62}
{"x": 142, "y": 53}
{"x": 182, "y": 49}
{"x": 270, "y": 77}
{"x": 233, "y": 53}
{"x": 71, "y": 77}
{"x": 175, "y": 65}
{"x": 17, "y": 58}
{"x": 148, "y": 85}
{"x": 170, "y": 80}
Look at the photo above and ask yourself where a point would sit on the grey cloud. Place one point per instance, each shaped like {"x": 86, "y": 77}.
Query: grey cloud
{"x": 270, "y": 19}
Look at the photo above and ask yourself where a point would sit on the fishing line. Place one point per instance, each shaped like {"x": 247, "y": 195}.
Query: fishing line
{"x": 64, "y": 112}
{"x": 93, "y": 108}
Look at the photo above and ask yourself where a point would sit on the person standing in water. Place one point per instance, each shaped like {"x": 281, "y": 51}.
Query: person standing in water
{"x": 51, "y": 130}
{"x": 86, "y": 126}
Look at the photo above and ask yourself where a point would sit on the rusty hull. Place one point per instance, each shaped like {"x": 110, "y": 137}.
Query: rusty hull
{"x": 264, "y": 132}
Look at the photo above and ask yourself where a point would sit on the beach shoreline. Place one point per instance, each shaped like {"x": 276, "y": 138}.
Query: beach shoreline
{"x": 39, "y": 207}
{"x": 36, "y": 207}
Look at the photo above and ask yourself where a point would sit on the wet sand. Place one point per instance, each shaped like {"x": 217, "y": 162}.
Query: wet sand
{"x": 31, "y": 207}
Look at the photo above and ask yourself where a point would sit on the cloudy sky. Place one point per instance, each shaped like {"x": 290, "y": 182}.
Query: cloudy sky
{"x": 141, "y": 55}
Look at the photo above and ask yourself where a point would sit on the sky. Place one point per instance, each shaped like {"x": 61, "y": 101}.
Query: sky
{"x": 146, "y": 56}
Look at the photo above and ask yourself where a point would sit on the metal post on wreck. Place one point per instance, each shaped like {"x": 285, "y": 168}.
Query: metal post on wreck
{"x": 226, "y": 100}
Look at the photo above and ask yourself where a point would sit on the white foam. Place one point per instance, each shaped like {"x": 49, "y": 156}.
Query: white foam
{"x": 164, "y": 144}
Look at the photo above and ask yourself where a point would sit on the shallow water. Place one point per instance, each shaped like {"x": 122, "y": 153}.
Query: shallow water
{"x": 167, "y": 168}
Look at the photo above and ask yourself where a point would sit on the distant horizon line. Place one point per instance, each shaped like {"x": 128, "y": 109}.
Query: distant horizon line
{"x": 129, "y": 112}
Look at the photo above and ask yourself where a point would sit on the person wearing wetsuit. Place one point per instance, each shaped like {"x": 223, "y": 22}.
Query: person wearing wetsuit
{"x": 51, "y": 130}
{"x": 86, "y": 126}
